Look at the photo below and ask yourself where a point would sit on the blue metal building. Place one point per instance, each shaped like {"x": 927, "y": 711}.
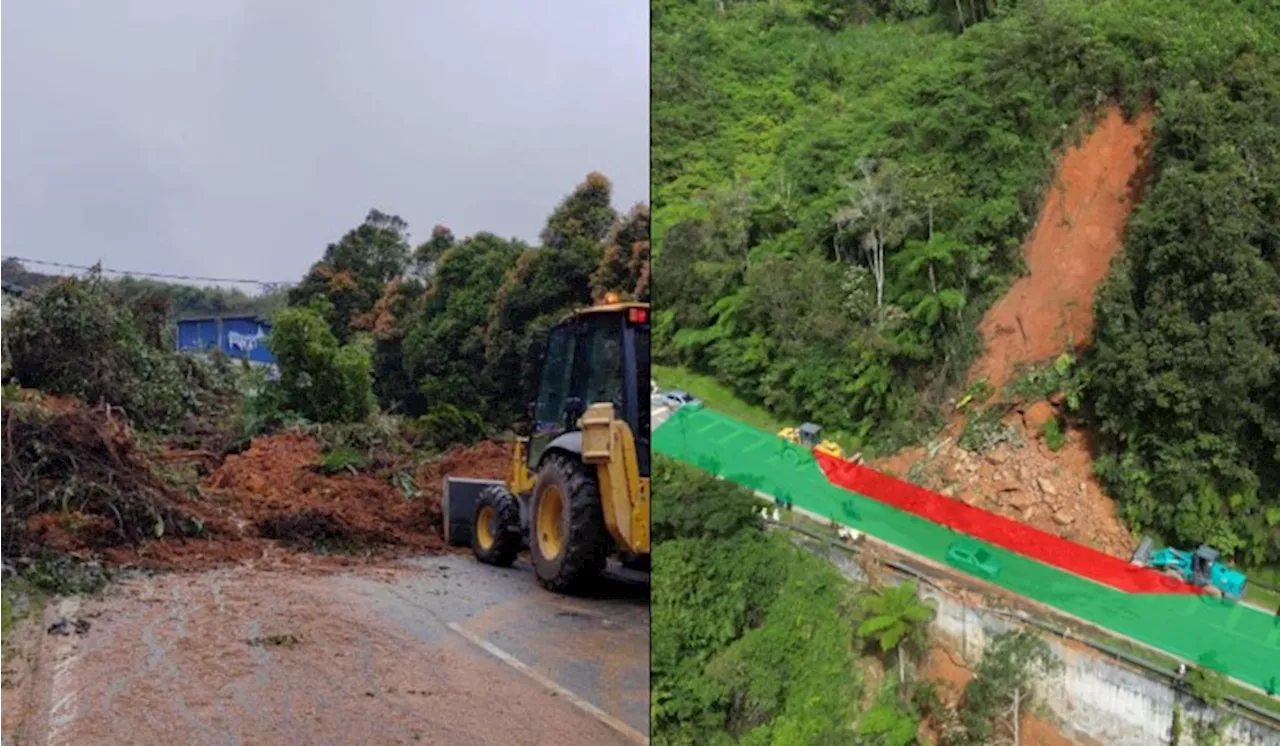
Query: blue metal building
{"x": 239, "y": 337}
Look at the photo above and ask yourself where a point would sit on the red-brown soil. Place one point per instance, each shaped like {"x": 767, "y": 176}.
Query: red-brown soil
{"x": 487, "y": 460}
{"x": 1079, "y": 232}
{"x": 951, "y": 675}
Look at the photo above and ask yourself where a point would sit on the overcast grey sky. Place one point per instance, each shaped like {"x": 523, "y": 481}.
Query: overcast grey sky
{"x": 239, "y": 137}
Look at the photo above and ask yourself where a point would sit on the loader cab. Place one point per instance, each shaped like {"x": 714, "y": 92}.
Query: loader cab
{"x": 1202, "y": 563}
{"x": 808, "y": 434}
{"x": 600, "y": 354}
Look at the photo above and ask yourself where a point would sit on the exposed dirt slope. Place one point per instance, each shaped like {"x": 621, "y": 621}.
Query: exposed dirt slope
{"x": 1080, "y": 230}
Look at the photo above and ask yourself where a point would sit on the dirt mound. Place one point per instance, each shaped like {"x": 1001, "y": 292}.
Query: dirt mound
{"x": 76, "y": 481}
{"x": 274, "y": 487}
{"x": 487, "y": 460}
{"x": 1080, "y": 229}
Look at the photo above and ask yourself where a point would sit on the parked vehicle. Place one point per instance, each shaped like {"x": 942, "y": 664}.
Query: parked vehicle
{"x": 973, "y": 559}
{"x": 677, "y": 399}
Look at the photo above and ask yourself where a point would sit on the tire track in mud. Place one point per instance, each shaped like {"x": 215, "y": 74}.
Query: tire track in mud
{"x": 62, "y": 690}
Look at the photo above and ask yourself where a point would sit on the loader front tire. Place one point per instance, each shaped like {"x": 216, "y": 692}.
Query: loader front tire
{"x": 495, "y": 530}
{"x": 567, "y": 539}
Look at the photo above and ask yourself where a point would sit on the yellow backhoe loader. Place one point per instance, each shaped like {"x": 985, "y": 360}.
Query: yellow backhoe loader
{"x": 578, "y": 491}
{"x": 807, "y": 435}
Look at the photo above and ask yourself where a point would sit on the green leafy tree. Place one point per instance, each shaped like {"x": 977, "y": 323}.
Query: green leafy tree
{"x": 444, "y": 343}
{"x": 887, "y": 724}
{"x": 876, "y": 213}
{"x": 895, "y": 619}
{"x": 353, "y": 272}
{"x": 692, "y": 504}
{"x": 320, "y": 379}
{"x": 583, "y": 219}
{"x": 74, "y": 337}
{"x": 428, "y": 254}
{"x": 624, "y": 268}
{"x": 1002, "y": 688}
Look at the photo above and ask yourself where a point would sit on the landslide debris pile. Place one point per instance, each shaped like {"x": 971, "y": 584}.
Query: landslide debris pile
{"x": 1024, "y": 480}
{"x": 76, "y": 480}
{"x": 80, "y": 464}
{"x": 276, "y": 487}
{"x": 486, "y": 460}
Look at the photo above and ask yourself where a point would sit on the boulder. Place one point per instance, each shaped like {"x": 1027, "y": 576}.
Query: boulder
{"x": 1037, "y": 414}
{"x": 1022, "y": 500}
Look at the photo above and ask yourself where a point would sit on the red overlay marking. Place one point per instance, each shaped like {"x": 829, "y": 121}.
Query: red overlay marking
{"x": 1003, "y": 532}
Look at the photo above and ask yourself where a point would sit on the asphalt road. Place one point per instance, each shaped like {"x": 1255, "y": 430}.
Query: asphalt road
{"x": 594, "y": 647}
{"x": 437, "y": 650}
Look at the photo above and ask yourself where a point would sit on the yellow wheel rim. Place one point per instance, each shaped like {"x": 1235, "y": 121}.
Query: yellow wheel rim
{"x": 484, "y": 526}
{"x": 550, "y": 522}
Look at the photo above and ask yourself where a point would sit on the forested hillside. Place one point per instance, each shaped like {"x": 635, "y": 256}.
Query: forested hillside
{"x": 842, "y": 189}
{"x": 438, "y": 331}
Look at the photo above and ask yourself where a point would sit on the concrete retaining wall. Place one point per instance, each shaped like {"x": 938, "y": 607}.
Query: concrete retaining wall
{"x": 1094, "y": 700}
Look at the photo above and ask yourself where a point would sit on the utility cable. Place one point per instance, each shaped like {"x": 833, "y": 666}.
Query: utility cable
{"x": 159, "y": 275}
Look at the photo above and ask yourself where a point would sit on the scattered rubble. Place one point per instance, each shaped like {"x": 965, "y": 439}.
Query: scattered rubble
{"x": 1028, "y": 483}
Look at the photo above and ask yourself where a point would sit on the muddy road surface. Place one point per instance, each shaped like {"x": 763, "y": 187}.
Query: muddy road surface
{"x": 438, "y": 650}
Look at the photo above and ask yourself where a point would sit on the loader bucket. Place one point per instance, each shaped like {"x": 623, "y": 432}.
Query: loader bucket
{"x": 1142, "y": 555}
{"x": 458, "y": 504}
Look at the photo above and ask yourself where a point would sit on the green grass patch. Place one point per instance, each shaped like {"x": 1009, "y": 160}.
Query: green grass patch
{"x": 717, "y": 396}
{"x": 1053, "y": 436}
{"x": 1256, "y": 593}
{"x": 343, "y": 458}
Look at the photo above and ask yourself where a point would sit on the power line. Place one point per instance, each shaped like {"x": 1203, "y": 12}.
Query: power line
{"x": 160, "y": 275}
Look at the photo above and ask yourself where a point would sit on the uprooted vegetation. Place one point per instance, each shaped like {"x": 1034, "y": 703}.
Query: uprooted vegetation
{"x": 81, "y": 464}
{"x": 79, "y": 483}
{"x": 223, "y": 471}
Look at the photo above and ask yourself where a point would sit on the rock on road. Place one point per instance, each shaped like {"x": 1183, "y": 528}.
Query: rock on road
{"x": 437, "y": 650}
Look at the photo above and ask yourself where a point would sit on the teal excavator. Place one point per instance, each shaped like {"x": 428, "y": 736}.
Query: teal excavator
{"x": 1200, "y": 568}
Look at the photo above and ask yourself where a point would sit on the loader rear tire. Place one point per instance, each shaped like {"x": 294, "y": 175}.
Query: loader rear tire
{"x": 567, "y": 539}
{"x": 495, "y": 528}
